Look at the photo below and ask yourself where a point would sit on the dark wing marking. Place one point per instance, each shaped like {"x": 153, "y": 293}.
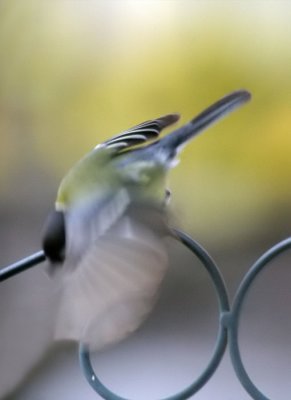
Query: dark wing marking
{"x": 141, "y": 133}
{"x": 54, "y": 239}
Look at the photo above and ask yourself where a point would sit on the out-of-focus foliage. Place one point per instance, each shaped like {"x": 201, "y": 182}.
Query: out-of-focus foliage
{"x": 74, "y": 73}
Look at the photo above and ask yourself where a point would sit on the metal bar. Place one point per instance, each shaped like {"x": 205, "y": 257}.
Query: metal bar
{"x": 229, "y": 318}
{"x": 22, "y": 265}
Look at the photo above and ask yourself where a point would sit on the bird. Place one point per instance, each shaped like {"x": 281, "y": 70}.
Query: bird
{"x": 104, "y": 240}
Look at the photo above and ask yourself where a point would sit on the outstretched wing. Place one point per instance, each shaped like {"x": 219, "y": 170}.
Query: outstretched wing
{"x": 141, "y": 133}
{"x": 108, "y": 292}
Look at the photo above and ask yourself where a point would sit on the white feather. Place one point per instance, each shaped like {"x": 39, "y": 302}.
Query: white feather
{"x": 110, "y": 283}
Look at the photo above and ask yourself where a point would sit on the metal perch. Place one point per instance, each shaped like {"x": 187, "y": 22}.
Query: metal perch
{"x": 228, "y": 322}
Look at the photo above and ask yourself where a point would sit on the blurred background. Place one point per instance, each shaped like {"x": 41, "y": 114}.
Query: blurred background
{"x": 74, "y": 73}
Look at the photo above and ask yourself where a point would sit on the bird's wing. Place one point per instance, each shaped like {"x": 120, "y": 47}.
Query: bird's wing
{"x": 114, "y": 285}
{"x": 141, "y": 133}
{"x": 90, "y": 219}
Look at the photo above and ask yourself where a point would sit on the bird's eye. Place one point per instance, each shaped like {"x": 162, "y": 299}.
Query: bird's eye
{"x": 54, "y": 238}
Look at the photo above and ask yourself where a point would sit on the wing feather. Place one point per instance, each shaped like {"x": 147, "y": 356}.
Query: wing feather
{"x": 141, "y": 133}
{"x": 114, "y": 285}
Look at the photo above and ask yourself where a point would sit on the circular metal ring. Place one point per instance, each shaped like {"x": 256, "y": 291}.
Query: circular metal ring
{"x": 221, "y": 341}
{"x": 236, "y": 312}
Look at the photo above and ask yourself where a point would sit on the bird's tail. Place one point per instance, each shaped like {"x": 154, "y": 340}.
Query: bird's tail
{"x": 173, "y": 143}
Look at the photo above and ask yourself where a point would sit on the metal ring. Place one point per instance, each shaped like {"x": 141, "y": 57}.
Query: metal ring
{"x": 221, "y": 341}
{"x": 237, "y": 363}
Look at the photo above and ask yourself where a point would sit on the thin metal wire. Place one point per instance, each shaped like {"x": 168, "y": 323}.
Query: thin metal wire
{"x": 22, "y": 265}
{"x": 221, "y": 341}
{"x": 228, "y": 325}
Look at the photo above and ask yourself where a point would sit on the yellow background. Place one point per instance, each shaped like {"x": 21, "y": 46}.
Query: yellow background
{"x": 74, "y": 73}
